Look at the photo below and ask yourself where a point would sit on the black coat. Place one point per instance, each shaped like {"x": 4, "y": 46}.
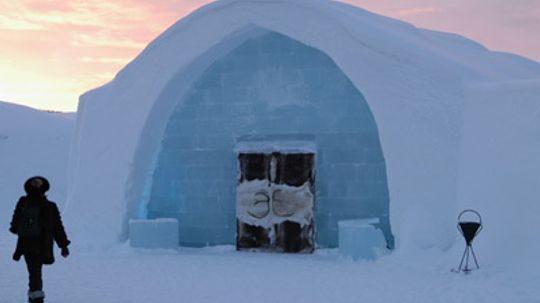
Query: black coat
{"x": 52, "y": 229}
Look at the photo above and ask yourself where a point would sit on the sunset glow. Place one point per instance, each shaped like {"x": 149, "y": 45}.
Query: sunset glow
{"x": 53, "y": 51}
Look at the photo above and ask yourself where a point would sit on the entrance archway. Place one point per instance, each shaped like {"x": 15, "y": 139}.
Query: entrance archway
{"x": 269, "y": 85}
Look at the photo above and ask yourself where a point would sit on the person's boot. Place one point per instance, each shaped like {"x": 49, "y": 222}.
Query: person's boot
{"x": 36, "y": 296}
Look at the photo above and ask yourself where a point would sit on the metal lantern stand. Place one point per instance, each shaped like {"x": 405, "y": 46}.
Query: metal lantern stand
{"x": 469, "y": 230}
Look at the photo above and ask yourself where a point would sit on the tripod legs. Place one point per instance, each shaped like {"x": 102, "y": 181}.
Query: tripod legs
{"x": 474, "y": 256}
{"x": 468, "y": 250}
{"x": 463, "y": 258}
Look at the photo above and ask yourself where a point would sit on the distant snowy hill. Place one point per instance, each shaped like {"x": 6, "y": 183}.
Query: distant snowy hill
{"x": 32, "y": 142}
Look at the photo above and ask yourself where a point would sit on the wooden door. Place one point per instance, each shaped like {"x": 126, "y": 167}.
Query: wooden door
{"x": 274, "y": 202}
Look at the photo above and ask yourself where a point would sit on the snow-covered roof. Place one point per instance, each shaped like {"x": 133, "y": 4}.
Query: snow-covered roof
{"x": 414, "y": 80}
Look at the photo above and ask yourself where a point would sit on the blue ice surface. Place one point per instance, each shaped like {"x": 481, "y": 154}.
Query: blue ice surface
{"x": 158, "y": 233}
{"x": 360, "y": 239}
{"x": 269, "y": 85}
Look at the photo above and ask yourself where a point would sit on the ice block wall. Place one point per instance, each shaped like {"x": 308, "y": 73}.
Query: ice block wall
{"x": 270, "y": 84}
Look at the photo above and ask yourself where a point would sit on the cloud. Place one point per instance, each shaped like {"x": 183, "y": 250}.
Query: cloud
{"x": 88, "y": 13}
{"x": 45, "y": 16}
{"x": 113, "y": 60}
{"x": 68, "y": 47}
{"x": 10, "y": 23}
{"x": 416, "y": 11}
{"x": 104, "y": 39}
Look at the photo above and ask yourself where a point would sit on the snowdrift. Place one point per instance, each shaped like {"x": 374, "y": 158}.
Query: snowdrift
{"x": 32, "y": 142}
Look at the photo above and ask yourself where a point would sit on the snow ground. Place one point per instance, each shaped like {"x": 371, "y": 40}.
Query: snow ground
{"x": 221, "y": 274}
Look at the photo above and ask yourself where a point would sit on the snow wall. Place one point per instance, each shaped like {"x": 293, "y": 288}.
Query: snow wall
{"x": 411, "y": 79}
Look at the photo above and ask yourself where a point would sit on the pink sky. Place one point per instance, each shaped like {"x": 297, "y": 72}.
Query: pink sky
{"x": 54, "y": 50}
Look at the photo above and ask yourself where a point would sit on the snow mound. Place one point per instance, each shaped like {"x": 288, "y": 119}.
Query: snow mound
{"x": 32, "y": 142}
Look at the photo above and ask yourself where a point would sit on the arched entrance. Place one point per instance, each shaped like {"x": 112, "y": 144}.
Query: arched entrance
{"x": 269, "y": 85}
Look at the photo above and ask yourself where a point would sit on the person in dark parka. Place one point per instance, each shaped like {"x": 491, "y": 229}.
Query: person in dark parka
{"x": 37, "y": 223}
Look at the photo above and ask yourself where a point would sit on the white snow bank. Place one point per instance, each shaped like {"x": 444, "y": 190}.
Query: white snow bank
{"x": 32, "y": 142}
{"x": 500, "y": 169}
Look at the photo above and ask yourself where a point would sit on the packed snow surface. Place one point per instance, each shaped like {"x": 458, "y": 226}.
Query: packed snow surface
{"x": 221, "y": 274}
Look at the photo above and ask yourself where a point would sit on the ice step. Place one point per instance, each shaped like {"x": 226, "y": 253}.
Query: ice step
{"x": 360, "y": 239}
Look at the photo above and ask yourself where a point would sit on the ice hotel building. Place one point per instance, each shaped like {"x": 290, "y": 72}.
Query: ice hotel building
{"x": 264, "y": 123}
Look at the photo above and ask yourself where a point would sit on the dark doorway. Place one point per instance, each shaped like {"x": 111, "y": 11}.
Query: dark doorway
{"x": 275, "y": 200}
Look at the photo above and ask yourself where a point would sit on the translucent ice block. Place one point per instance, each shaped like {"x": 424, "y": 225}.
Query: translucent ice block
{"x": 360, "y": 239}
